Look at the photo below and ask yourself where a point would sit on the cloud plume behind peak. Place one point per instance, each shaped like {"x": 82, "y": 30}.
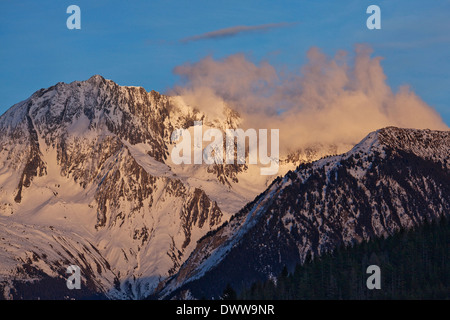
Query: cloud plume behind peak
{"x": 331, "y": 101}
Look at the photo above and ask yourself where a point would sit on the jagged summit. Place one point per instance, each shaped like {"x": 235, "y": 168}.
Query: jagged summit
{"x": 96, "y": 78}
{"x": 90, "y": 158}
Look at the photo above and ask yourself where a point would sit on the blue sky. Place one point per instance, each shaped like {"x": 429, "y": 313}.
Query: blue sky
{"x": 140, "y": 42}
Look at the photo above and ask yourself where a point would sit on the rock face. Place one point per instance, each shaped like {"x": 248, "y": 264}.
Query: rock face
{"x": 394, "y": 178}
{"x": 91, "y": 159}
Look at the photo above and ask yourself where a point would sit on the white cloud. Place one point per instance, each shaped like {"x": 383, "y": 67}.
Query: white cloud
{"x": 329, "y": 101}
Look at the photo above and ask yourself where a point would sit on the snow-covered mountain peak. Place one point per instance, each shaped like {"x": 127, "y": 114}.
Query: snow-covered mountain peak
{"x": 394, "y": 178}
{"x": 92, "y": 158}
{"x": 434, "y": 144}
